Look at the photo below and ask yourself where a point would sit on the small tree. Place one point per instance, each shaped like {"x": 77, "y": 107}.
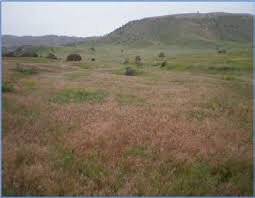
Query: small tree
{"x": 138, "y": 60}
{"x": 9, "y": 54}
{"x": 52, "y": 56}
{"x": 222, "y": 51}
{"x": 161, "y": 55}
{"x": 129, "y": 71}
{"x": 29, "y": 54}
{"x": 73, "y": 57}
{"x": 163, "y": 64}
{"x": 93, "y": 59}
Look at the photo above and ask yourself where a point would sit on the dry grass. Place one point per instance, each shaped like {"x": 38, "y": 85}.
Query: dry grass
{"x": 160, "y": 133}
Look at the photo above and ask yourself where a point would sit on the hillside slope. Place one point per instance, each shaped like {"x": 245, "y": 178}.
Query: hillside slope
{"x": 10, "y": 41}
{"x": 193, "y": 29}
{"x": 185, "y": 29}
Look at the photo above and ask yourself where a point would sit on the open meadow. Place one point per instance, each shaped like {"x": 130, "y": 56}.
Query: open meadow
{"x": 92, "y": 128}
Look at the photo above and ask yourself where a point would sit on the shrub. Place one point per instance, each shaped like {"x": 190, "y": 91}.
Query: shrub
{"x": 93, "y": 59}
{"x": 73, "y": 57}
{"x": 222, "y": 51}
{"x": 29, "y": 54}
{"x": 227, "y": 77}
{"x": 92, "y": 49}
{"x": 26, "y": 71}
{"x": 52, "y": 56}
{"x": 161, "y": 55}
{"x": 129, "y": 71}
{"x": 7, "y": 87}
{"x": 138, "y": 60}
{"x": 9, "y": 54}
{"x": 163, "y": 64}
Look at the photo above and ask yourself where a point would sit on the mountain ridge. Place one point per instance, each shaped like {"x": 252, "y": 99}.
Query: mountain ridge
{"x": 184, "y": 29}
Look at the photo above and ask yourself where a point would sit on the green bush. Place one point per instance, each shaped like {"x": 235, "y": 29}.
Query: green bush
{"x": 26, "y": 71}
{"x": 130, "y": 71}
{"x": 138, "y": 60}
{"x": 52, "y": 56}
{"x": 7, "y": 87}
{"x": 222, "y": 51}
{"x": 73, "y": 57}
{"x": 163, "y": 64}
{"x": 161, "y": 55}
{"x": 9, "y": 54}
{"x": 29, "y": 54}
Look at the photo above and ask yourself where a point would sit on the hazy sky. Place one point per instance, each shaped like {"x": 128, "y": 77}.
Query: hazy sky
{"x": 97, "y": 18}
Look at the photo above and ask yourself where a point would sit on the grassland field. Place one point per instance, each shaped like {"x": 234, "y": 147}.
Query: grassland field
{"x": 86, "y": 128}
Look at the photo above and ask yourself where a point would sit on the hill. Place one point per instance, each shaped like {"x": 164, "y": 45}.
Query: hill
{"x": 12, "y": 42}
{"x": 193, "y": 29}
{"x": 185, "y": 29}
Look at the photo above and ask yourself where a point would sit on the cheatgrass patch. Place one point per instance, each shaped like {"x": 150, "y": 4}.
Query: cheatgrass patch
{"x": 78, "y": 95}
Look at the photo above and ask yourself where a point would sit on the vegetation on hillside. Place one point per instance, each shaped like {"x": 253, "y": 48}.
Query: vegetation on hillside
{"x": 175, "y": 125}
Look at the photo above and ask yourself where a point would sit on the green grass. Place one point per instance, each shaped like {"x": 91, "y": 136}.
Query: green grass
{"x": 201, "y": 178}
{"x": 122, "y": 71}
{"x": 199, "y": 115}
{"x": 229, "y": 77}
{"x": 79, "y": 95}
{"x": 129, "y": 99}
{"x": 137, "y": 151}
{"x": 28, "y": 85}
{"x": 26, "y": 71}
{"x": 129, "y": 147}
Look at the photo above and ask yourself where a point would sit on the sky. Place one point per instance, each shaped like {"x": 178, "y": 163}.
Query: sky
{"x": 96, "y": 18}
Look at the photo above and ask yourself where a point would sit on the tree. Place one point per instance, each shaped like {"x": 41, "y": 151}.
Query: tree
{"x": 161, "y": 55}
{"x": 73, "y": 57}
{"x": 138, "y": 60}
{"x": 52, "y": 56}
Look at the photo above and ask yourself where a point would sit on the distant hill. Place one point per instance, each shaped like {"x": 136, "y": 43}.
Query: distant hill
{"x": 12, "y": 42}
{"x": 180, "y": 29}
{"x": 192, "y": 28}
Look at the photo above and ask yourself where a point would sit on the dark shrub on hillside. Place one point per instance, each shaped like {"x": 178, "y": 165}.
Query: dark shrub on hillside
{"x": 22, "y": 52}
{"x": 29, "y": 54}
{"x": 9, "y": 54}
{"x": 161, "y": 55}
{"x": 138, "y": 60}
{"x": 129, "y": 71}
{"x": 7, "y": 87}
{"x": 222, "y": 51}
{"x": 92, "y": 49}
{"x": 93, "y": 59}
{"x": 24, "y": 70}
{"x": 163, "y": 64}
{"x": 73, "y": 57}
{"x": 52, "y": 56}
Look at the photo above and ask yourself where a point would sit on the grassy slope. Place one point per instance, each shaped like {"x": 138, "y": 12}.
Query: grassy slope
{"x": 185, "y": 129}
